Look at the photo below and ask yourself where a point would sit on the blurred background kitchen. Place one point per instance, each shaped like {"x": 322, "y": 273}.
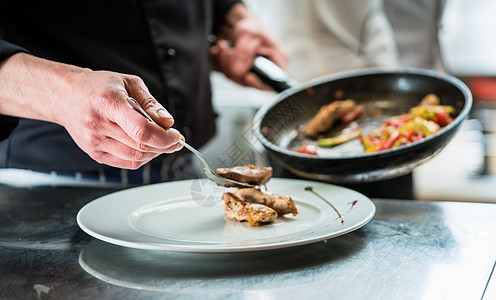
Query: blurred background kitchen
{"x": 452, "y": 36}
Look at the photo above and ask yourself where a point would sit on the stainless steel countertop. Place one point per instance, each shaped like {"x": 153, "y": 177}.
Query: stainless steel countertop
{"x": 410, "y": 250}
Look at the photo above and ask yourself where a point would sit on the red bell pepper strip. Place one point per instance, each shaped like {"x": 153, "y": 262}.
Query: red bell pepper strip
{"x": 408, "y": 134}
{"x": 390, "y": 141}
{"x": 396, "y": 122}
{"x": 442, "y": 118}
{"x": 354, "y": 114}
{"x": 307, "y": 149}
{"x": 417, "y": 137}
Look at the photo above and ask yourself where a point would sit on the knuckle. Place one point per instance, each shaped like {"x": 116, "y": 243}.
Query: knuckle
{"x": 108, "y": 100}
{"x": 143, "y": 147}
{"x": 135, "y": 165}
{"x": 91, "y": 123}
{"x": 138, "y": 156}
{"x": 141, "y": 134}
{"x": 149, "y": 102}
{"x": 134, "y": 78}
{"x": 104, "y": 96}
{"x": 92, "y": 143}
{"x": 134, "y": 81}
{"x": 99, "y": 160}
{"x": 93, "y": 140}
{"x": 97, "y": 156}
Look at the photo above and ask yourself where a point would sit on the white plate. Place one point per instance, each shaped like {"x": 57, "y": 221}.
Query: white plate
{"x": 188, "y": 216}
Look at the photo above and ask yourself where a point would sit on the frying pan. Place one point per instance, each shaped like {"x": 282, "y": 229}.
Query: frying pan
{"x": 388, "y": 91}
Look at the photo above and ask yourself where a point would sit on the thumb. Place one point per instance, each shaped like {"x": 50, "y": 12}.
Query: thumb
{"x": 153, "y": 110}
{"x": 138, "y": 90}
{"x": 161, "y": 116}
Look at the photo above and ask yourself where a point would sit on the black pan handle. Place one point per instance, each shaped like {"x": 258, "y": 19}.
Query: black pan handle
{"x": 272, "y": 75}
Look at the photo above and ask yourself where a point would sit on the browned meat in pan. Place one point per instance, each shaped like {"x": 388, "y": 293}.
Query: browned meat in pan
{"x": 430, "y": 99}
{"x": 327, "y": 115}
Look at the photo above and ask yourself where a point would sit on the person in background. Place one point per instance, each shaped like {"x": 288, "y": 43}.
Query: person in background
{"x": 323, "y": 37}
{"x": 416, "y": 27}
{"x": 67, "y": 70}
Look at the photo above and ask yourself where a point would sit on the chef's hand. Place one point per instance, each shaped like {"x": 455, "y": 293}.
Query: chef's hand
{"x": 92, "y": 106}
{"x": 241, "y": 39}
{"x": 110, "y": 130}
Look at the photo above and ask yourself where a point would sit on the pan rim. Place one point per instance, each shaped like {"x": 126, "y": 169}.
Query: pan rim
{"x": 462, "y": 87}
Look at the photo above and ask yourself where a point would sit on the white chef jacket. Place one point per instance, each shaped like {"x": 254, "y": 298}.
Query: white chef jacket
{"x": 326, "y": 36}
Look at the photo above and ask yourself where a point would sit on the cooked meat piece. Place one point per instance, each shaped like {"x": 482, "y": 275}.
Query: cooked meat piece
{"x": 430, "y": 99}
{"x": 358, "y": 111}
{"x": 258, "y": 214}
{"x": 351, "y": 132}
{"x": 326, "y": 117}
{"x": 246, "y": 174}
{"x": 233, "y": 207}
{"x": 281, "y": 204}
{"x": 255, "y": 213}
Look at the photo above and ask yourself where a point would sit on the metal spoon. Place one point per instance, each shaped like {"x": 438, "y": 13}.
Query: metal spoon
{"x": 206, "y": 168}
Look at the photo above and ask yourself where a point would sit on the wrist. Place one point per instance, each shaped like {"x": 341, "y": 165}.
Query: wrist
{"x": 30, "y": 86}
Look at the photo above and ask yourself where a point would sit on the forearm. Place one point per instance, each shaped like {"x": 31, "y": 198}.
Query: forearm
{"x": 30, "y": 87}
{"x": 92, "y": 106}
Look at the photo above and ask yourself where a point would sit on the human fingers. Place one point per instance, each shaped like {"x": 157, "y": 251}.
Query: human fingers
{"x": 112, "y": 146}
{"x": 252, "y": 80}
{"x": 115, "y": 132}
{"x": 221, "y": 53}
{"x": 145, "y": 134}
{"x": 96, "y": 140}
{"x": 122, "y": 161}
{"x": 244, "y": 52}
{"x": 137, "y": 127}
{"x": 130, "y": 156}
{"x": 274, "y": 53}
{"x": 137, "y": 90}
{"x": 97, "y": 130}
{"x": 110, "y": 159}
{"x": 97, "y": 112}
{"x": 127, "y": 157}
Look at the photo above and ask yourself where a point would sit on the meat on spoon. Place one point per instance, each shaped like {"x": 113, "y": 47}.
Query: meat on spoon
{"x": 247, "y": 174}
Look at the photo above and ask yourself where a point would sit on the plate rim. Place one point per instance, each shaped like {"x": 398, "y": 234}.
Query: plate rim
{"x": 160, "y": 245}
